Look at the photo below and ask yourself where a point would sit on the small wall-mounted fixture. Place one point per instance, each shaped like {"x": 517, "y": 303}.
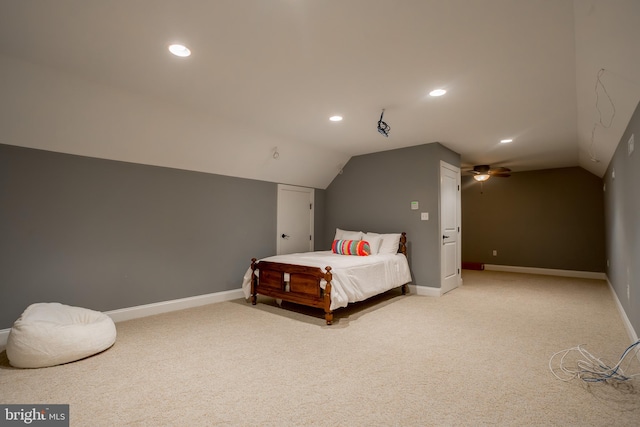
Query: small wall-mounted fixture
{"x": 276, "y": 153}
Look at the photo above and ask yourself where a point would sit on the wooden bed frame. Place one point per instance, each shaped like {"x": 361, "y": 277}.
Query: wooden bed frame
{"x": 303, "y": 286}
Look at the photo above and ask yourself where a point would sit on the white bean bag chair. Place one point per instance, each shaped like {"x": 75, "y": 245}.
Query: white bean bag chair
{"x": 48, "y": 334}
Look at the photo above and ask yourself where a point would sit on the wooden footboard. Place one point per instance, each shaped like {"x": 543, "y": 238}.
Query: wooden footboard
{"x": 302, "y": 287}
{"x": 299, "y": 284}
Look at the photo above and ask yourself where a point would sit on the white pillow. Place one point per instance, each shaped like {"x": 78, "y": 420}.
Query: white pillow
{"x": 390, "y": 243}
{"x": 348, "y": 235}
{"x": 375, "y": 240}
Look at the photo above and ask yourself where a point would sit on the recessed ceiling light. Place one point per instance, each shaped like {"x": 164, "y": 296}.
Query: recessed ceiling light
{"x": 437, "y": 92}
{"x": 335, "y": 118}
{"x": 505, "y": 141}
{"x": 179, "y": 50}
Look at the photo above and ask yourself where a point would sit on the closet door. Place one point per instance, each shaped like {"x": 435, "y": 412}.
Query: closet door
{"x": 295, "y": 219}
{"x": 450, "y": 227}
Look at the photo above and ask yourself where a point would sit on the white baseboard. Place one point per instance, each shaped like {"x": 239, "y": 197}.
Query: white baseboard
{"x": 4, "y": 335}
{"x": 123, "y": 314}
{"x": 139, "y": 311}
{"x": 625, "y": 319}
{"x": 547, "y": 271}
{"x": 425, "y": 291}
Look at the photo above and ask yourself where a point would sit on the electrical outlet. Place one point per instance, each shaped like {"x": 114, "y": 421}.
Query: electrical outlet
{"x": 495, "y": 252}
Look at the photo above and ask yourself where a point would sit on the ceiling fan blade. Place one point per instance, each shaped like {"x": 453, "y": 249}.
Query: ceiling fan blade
{"x": 481, "y": 169}
{"x": 500, "y": 170}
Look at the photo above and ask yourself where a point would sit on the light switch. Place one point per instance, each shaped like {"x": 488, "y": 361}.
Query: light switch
{"x": 415, "y": 206}
{"x": 424, "y": 216}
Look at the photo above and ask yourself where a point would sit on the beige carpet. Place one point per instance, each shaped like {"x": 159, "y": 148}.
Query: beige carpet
{"x": 476, "y": 356}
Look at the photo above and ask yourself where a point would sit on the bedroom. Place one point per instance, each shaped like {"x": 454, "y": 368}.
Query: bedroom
{"x": 112, "y": 224}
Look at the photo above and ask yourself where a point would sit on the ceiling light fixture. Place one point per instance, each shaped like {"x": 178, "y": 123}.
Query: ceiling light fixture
{"x": 481, "y": 177}
{"x": 506, "y": 141}
{"x": 383, "y": 128}
{"x": 179, "y": 50}
{"x": 437, "y": 92}
{"x": 335, "y": 118}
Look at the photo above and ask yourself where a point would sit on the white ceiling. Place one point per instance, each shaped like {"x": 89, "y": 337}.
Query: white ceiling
{"x": 273, "y": 71}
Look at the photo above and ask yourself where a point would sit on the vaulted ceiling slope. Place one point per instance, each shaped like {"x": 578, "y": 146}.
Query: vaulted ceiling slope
{"x": 95, "y": 78}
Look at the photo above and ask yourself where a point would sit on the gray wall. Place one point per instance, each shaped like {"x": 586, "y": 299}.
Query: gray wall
{"x": 374, "y": 193}
{"x": 107, "y": 235}
{"x": 622, "y": 207}
{"x": 550, "y": 218}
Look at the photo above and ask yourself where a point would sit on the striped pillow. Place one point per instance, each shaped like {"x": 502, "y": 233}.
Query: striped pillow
{"x": 351, "y": 247}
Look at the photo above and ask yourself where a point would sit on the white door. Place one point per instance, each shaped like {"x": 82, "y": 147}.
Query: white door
{"x": 450, "y": 218}
{"x": 295, "y": 219}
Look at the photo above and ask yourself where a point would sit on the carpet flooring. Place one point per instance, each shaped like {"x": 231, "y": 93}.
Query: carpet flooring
{"x": 476, "y": 356}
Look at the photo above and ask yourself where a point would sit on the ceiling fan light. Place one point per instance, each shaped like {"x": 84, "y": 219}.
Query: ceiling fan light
{"x": 481, "y": 177}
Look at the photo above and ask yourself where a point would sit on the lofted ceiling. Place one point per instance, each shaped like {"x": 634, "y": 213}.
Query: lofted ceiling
{"x": 266, "y": 75}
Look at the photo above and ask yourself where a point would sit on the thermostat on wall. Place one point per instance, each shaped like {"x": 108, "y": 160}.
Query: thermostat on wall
{"x": 415, "y": 206}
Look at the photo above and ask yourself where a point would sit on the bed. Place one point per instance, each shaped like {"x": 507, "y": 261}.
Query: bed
{"x": 332, "y": 279}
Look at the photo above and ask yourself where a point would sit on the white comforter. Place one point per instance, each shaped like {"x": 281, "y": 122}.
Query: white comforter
{"x": 355, "y": 278}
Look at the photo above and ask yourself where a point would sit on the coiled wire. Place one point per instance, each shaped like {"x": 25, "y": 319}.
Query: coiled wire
{"x": 590, "y": 368}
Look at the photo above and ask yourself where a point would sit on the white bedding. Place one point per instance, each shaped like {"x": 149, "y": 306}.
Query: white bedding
{"x": 355, "y": 278}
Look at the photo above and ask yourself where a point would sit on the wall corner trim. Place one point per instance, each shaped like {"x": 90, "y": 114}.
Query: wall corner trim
{"x": 547, "y": 271}
{"x": 425, "y": 291}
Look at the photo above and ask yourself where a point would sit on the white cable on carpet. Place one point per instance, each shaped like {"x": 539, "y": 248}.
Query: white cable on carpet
{"x": 590, "y": 368}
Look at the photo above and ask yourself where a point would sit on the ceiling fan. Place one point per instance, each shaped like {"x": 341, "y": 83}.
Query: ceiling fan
{"x": 482, "y": 173}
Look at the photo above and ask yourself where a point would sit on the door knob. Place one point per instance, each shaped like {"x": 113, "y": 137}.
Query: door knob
{"x": 285, "y": 236}
{"x": 445, "y": 237}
